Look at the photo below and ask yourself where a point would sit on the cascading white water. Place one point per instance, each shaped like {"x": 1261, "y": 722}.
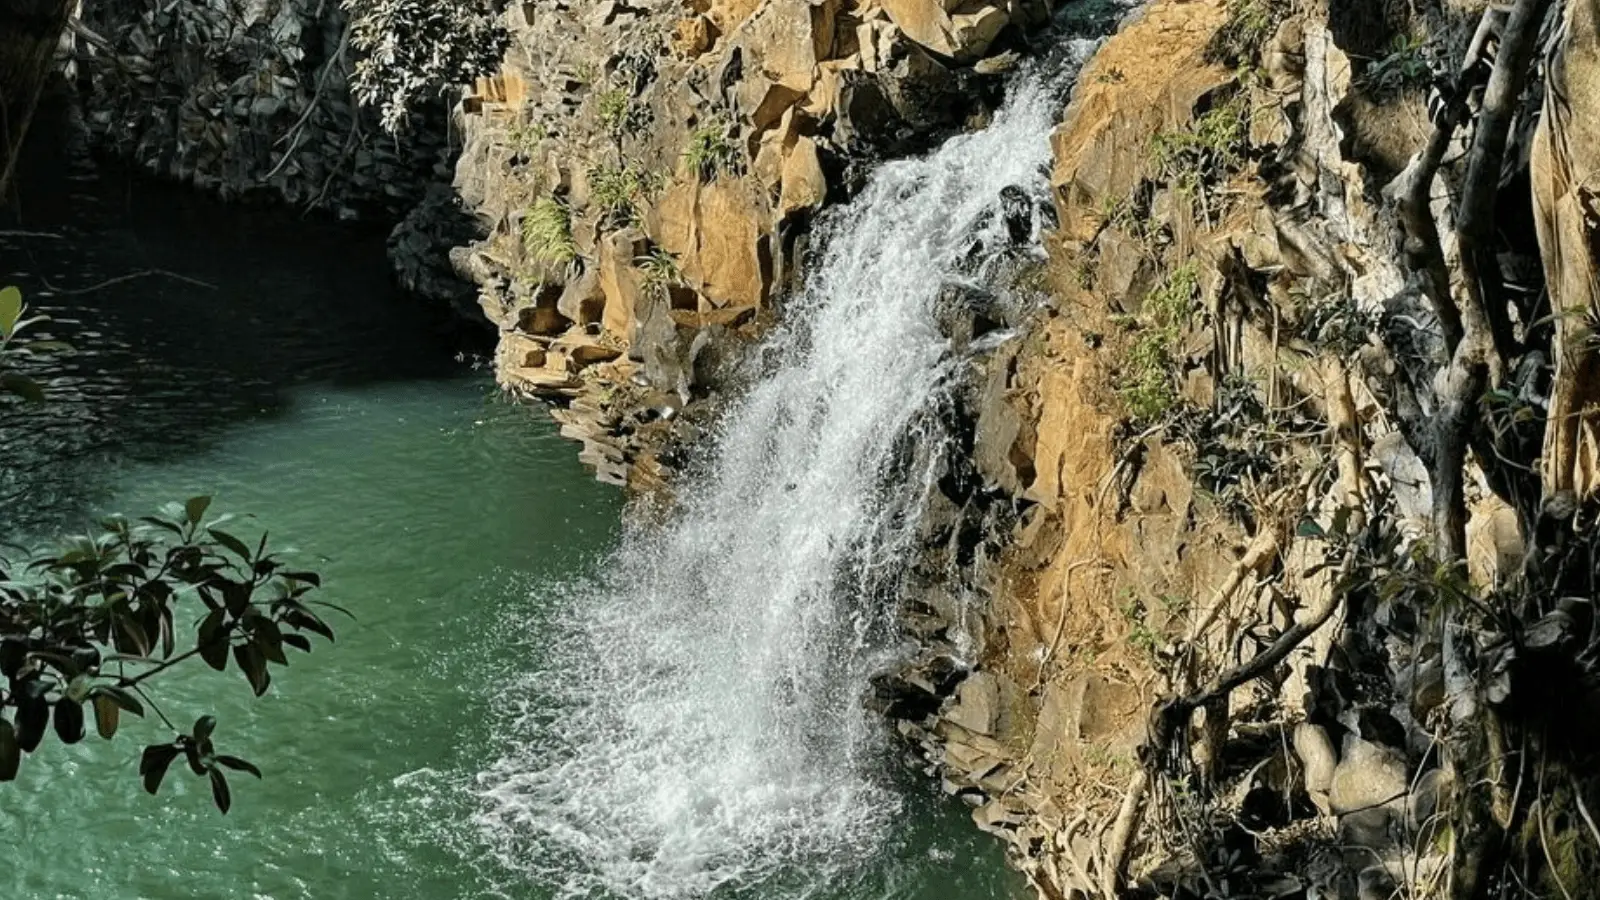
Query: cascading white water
{"x": 700, "y": 721}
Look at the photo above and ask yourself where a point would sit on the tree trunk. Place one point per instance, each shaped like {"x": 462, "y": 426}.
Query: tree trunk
{"x": 30, "y": 31}
{"x": 1565, "y": 171}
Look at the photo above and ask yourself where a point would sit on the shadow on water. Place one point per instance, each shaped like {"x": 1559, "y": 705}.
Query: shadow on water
{"x": 187, "y": 317}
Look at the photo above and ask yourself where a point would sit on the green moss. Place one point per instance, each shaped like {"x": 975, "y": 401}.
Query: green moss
{"x": 524, "y": 138}
{"x": 547, "y": 232}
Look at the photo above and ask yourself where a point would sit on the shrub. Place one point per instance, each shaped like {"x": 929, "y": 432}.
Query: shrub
{"x": 1405, "y": 65}
{"x": 1213, "y": 144}
{"x": 547, "y": 232}
{"x": 614, "y": 108}
{"x": 709, "y": 151}
{"x": 620, "y": 192}
{"x": 660, "y": 271}
{"x": 1148, "y": 388}
{"x": 412, "y": 47}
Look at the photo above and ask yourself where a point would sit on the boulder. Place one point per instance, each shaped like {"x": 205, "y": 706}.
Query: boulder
{"x": 619, "y": 281}
{"x": 715, "y": 232}
{"x": 1147, "y": 81}
{"x": 804, "y": 185}
{"x": 1367, "y": 777}
{"x": 1317, "y": 756}
{"x": 536, "y": 313}
{"x": 582, "y": 299}
{"x": 963, "y": 36}
{"x": 977, "y": 704}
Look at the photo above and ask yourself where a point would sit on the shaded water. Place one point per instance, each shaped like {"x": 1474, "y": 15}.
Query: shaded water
{"x": 295, "y": 387}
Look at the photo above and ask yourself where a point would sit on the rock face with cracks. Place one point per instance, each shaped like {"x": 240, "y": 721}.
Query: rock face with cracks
{"x": 1229, "y": 649}
{"x": 646, "y": 174}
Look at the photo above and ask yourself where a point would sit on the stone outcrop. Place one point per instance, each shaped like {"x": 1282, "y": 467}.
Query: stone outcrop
{"x": 647, "y": 172}
{"x": 250, "y": 99}
{"x": 1210, "y": 662}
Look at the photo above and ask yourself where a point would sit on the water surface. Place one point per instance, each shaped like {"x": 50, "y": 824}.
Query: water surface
{"x": 281, "y": 375}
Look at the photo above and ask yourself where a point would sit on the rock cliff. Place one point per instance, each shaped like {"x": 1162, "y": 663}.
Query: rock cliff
{"x": 647, "y": 173}
{"x": 1283, "y": 588}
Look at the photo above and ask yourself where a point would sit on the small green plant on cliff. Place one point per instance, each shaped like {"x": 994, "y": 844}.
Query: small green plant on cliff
{"x": 660, "y": 270}
{"x": 614, "y": 109}
{"x": 1140, "y": 635}
{"x": 547, "y": 232}
{"x": 1404, "y": 66}
{"x": 1213, "y": 145}
{"x": 1148, "y": 388}
{"x": 709, "y": 152}
{"x": 524, "y": 138}
{"x": 1250, "y": 24}
{"x": 620, "y": 192}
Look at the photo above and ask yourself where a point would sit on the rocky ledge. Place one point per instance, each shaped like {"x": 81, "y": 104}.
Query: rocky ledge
{"x": 647, "y": 174}
{"x": 1228, "y": 619}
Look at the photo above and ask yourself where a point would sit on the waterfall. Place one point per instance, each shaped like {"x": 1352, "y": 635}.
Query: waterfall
{"x": 698, "y": 720}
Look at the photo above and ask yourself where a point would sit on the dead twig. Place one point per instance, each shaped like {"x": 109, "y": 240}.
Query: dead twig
{"x": 296, "y": 132}
{"x": 131, "y": 276}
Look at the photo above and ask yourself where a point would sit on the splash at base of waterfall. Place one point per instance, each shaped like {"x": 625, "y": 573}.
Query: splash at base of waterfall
{"x": 699, "y": 726}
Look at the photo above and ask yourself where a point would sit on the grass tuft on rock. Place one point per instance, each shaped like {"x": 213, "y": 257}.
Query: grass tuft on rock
{"x": 709, "y": 152}
{"x": 620, "y": 192}
{"x": 547, "y": 232}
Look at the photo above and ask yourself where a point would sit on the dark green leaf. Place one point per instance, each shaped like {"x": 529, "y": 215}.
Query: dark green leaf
{"x": 33, "y": 716}
{"x": 298, "y": 641}
{"x": 131, "y": 636}
{"x": 215, "y": 653}
{"x": 69, "y": 721}
{"x": 310, "y": 578}
{"x": 219, "y": 790}
{"x": 195, "y": 509}
{"x": 232, "y": 543}
{"x": 10, "y": 752}
{"x": 154, "y": 763}
{"x": 308, "y": 621}
{"x": 191, "y": 754}
{"x": 203, "y": 727}
{"x": 120, "y": 696}
{"x": 238, "y": 765}
{"x": 163, "y": 524}
{"x": 1310, "y": 528}
{"x": 106, "y": 716}
{"x": 254, "y": 666}
{"x": 10, "y": 310}
{"x": 22, "y": 386}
